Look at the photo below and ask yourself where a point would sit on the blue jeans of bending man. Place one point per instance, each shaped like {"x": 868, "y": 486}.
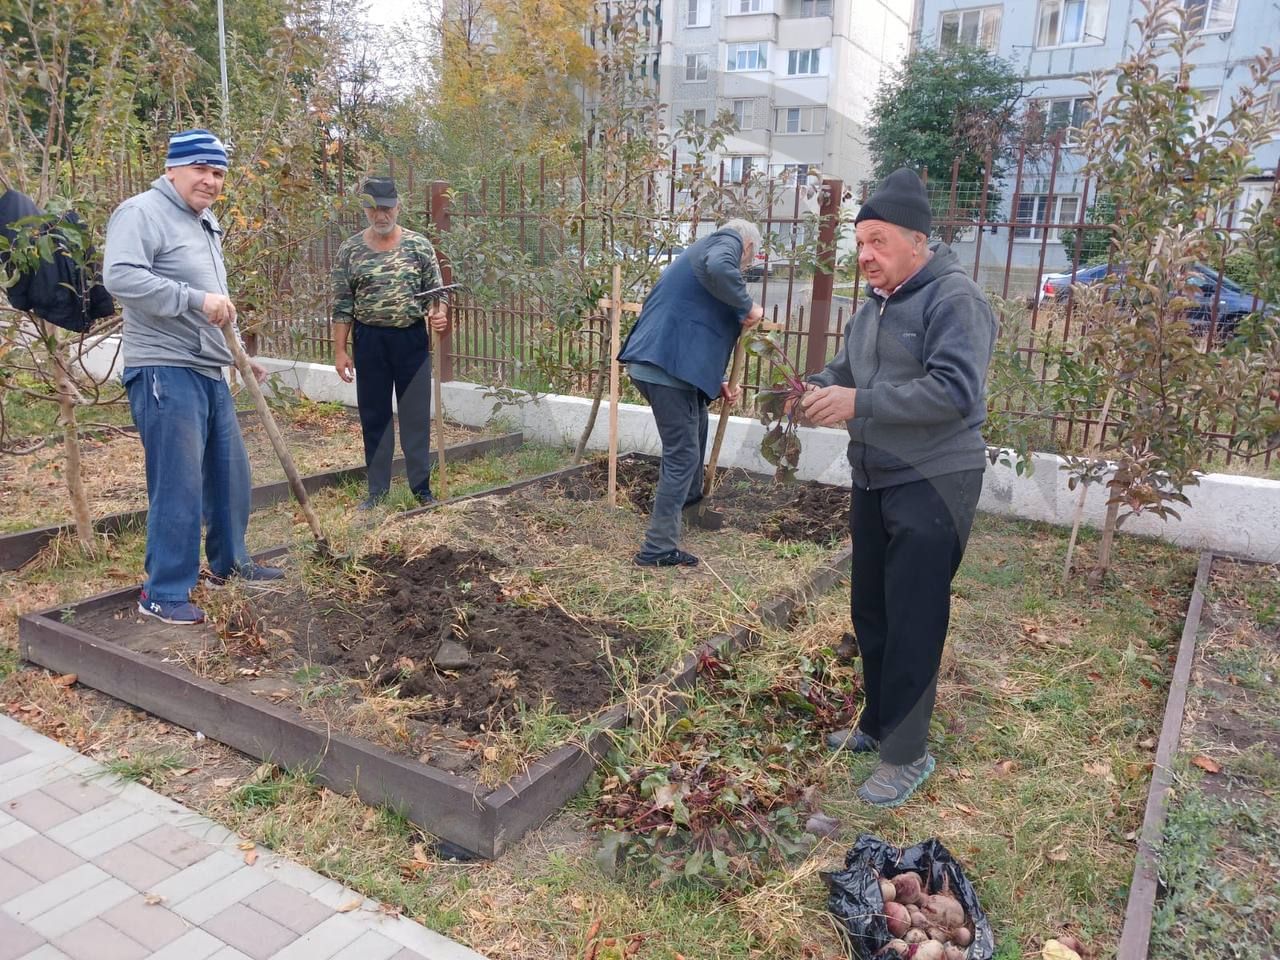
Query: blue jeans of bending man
{"x": 387, "y": 360}
{"x": 197, "y": 473}
{"x": 681, "y": 418}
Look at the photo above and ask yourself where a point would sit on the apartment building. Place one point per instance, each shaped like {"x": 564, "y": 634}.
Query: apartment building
{"x": 1053, "y": 44}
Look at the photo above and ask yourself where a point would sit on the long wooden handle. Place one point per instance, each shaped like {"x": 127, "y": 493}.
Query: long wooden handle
{"x": 615, "y": 329}
{"x": 442, "y": 484}
{"x": 273, "y": 431}
{"x": 735, "y": 377}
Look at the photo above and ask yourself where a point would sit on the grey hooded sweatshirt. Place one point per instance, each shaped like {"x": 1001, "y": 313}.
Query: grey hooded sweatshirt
{"x": 918, "y": 360}
{"x": 161, "y": 258}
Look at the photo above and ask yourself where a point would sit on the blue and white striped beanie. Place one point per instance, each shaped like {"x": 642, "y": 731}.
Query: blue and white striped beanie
{"x": 196, "y": 146}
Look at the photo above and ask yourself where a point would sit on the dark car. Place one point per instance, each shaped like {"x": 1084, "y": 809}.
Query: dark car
{"x": 1233, "y": 301}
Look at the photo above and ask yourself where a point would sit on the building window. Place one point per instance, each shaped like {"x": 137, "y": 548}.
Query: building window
{"x": 743, "y": 114}
{"x": 800, "y": 120}
{"x": 1038, "y": 211}
{"x": 1210, "y": 16}
{"x": 789, "y": 174}
{"x": 696, "y": 66}
{"x": 740, "y": 168}
{"x": 804, "y": 63}
{"x": 698, "y": 13}
{"x": 1207, "y": 108}
{"x": 1064, "y": 23}
{"x": 979, "y": 27}
{"x": 815, "y": 8}
{"x": 697, "y": 118}
{"x": 1064, "y": 113}
{"x": 748, "y": 56}
{"x": 746, "y": 6}
{"x": 1271, "y": 106}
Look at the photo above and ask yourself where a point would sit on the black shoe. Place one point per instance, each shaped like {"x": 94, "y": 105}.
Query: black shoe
{"x": 673, "y": 558}
{"x": 699, "y": 515}
{"x": 853, "y": 740}
{"x": 250, "y": 571}
{"x": 424, "y": 499}
{"x": 371, "y": 502}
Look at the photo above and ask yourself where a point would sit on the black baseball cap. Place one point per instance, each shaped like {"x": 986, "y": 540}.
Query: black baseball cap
{"x": 378, "y": 192}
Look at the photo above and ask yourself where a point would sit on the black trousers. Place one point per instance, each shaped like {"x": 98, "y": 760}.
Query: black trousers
{"x": 908, "y": 541}
{"x": 395, "y": 359}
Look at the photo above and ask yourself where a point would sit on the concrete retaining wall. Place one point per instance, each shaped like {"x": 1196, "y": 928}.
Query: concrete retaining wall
{"x": 1228, "y": 514}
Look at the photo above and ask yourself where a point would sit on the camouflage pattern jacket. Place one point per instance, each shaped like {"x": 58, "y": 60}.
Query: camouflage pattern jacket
{"x": 377, "y": 288}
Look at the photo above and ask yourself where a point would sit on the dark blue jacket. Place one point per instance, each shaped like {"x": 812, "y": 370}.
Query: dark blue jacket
{"x": 693, "y": 316}
{"x": 60, "y": 290}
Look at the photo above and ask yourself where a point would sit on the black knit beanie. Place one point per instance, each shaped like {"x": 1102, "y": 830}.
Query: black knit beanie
{"x": 900, "y": 199}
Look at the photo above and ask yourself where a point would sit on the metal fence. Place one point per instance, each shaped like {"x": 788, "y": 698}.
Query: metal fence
{"x": 1009, "y": 236}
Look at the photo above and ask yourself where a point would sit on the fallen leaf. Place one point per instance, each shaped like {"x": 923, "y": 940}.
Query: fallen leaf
{"x": 224, "y": 783}
{"x": 246, "y": 845}
{"x": 1208, "y": 764}
{"x": 1006, "y": 767}
{"x": 1058, "y": 855}
{"x": 967, "y": 811}
{"x": 153, "y": 899}
{"x": 1147, "y": 743}
{"x": 250, "y": 857}
{"x": 66, "y": 680}
{"x": 491, "y": 754}
{"x": 350, "y": 905}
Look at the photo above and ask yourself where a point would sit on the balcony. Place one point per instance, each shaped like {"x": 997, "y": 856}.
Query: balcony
{"x": 805, "y": 9}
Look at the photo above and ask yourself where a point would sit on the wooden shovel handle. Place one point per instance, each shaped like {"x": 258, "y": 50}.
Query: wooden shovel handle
{"x": 735, "y": 377}
{"x": 273, "y": 431}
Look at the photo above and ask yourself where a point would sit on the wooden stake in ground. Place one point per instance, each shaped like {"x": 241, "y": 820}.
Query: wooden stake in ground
{"x": 437, "y": 353}
{"x": 615, "y": 305}
{"x": 277, "y": 439}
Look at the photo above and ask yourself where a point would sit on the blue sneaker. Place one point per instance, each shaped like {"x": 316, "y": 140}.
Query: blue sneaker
{"x": 180, "y": 612}
{"x": 250, "y": 571}
{"x": 852, "y": 740}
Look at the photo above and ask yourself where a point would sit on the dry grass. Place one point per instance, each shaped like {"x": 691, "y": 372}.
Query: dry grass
{"x": 1045, "y": 710}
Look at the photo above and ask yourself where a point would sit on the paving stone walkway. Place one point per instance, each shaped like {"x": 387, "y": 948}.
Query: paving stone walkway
{"x": 93, "y": 868}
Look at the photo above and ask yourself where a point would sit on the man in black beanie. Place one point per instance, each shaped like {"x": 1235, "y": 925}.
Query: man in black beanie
{"x": 910, "y": 385}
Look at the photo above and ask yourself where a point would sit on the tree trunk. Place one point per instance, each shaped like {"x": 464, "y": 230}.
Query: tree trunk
{"x": 1108, "y": 539}
{"x": 71, "y": 444}
{"x": 596, "y": 397}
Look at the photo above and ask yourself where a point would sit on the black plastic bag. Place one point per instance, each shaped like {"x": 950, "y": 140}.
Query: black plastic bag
{"x": 854, "y": 893}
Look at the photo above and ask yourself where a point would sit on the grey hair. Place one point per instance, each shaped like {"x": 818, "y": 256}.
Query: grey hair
{"x": 747, "y": 230}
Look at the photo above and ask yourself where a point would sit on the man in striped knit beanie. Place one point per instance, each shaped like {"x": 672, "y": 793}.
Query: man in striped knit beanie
{"x": 163, "y": 262}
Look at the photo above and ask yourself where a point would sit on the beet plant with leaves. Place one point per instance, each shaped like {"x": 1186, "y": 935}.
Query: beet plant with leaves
{"x": 776, "y": 406}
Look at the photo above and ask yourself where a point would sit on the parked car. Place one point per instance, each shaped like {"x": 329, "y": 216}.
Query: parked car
{"x": 1233, "y": 301}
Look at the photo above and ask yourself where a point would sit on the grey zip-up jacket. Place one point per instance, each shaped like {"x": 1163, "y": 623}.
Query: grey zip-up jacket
{"x": 160, "y": 259}
{"x": 918, "y": 360}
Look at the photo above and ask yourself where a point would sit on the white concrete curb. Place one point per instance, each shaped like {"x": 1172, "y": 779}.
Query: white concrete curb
{"x": 1228, "y": 514}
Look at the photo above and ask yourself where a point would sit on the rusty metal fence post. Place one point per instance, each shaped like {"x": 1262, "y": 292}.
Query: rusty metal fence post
{"x": 824, "y": 276}
{"x": 440, "y": 220}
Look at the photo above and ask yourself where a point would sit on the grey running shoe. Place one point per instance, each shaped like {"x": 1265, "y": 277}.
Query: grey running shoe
{"x": 890, "y": 785}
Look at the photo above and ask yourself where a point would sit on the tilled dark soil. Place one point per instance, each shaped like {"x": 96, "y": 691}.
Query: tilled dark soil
{"x": 808, "y": 511}
{"x": 444, "y": 625}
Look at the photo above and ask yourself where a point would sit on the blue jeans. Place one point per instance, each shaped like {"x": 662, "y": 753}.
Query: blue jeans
{"x": 387, "y": 360}
{"x": 681, "y": 418}
{"x": 197, "y": 471}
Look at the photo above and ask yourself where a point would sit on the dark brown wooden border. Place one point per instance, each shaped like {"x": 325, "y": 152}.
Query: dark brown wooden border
{"x": 456, "y": 809}
{"x": 1135, "y": 936}
{"x": 17, "y": 549}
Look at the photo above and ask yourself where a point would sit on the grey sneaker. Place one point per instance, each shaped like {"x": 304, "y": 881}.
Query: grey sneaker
{"x": 852, "y": 740}
{"x": 890, "y": 785}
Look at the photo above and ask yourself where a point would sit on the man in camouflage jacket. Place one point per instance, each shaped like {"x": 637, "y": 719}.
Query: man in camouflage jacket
{"x": 377, "y": 275}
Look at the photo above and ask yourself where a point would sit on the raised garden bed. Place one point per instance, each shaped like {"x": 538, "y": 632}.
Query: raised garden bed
{"x": 312, "y": 446}
{"x": 475, "y": 659}
{"x": 1207, "y": 879}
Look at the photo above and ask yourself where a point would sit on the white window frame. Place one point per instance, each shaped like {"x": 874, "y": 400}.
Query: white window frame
{"x": 1271, "y": 106}
{"x": 746, "y": 8}
{"x": 697, "y": 13}
{"x": 1066, "y": 210}
{"x": 803, "y": 119}
{"x": 743, "y": 111}
{"x": 697, "y": 64}
{"x": 1046, "y": 105}
{"x": 1219, "y": 15}
{"x": 816, "y": 8}
{"x": 1092, "y": 24}
{"x": 693, "y": 114}
{"x": 741, "y": 166}
{"x": 1209, "y": 106}
{"x": 986, "y": 32}
{"x": 813, "y": 58}
{"x": 735, "y": 51}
